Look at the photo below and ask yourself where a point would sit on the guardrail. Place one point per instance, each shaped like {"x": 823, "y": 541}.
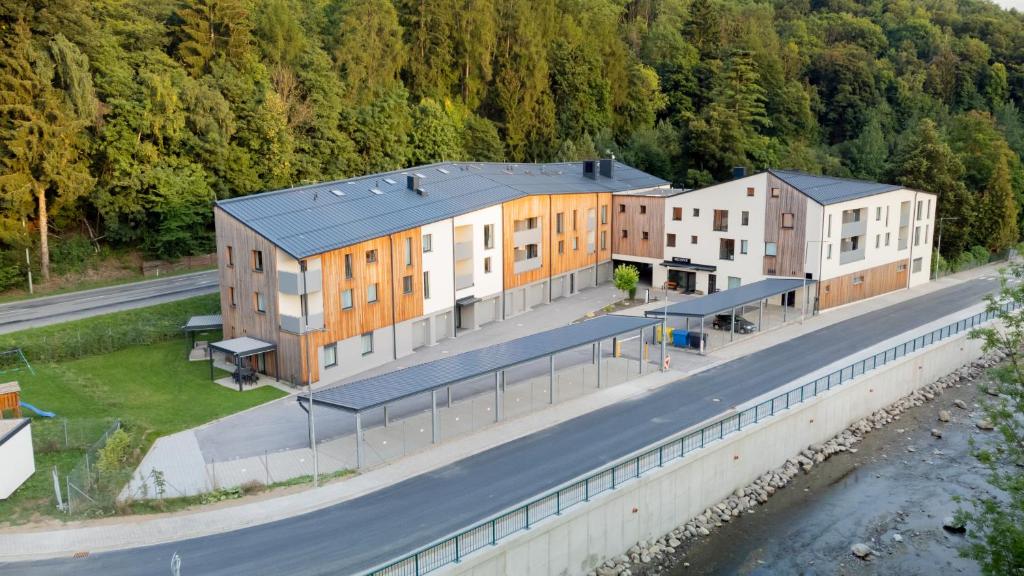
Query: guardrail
{"x": 489, "y": 532}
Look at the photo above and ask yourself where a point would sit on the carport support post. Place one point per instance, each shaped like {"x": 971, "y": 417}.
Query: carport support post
{"x": 701, "y": 334}
{"x": 598, "y": 364}
{"x": 497, "y": 396}
{"x": 448, "y": 391}
{"x": 359, "y": 438}
{"x": 385, "y": 415}
{"x": 551, "y": 376}
{"x": 760, "y": 313}
{"x": 732, "y": 326}
{"x": 593, "y": 353}
{"x": 641, "y": 352}
{"x": 785, "y": 306}
{"x": 435, "y": 424}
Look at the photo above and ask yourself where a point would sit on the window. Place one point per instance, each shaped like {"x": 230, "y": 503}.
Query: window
{"x": 920, "y": 209}
{"x": 670, "y": 240}
{"x": 489, "y": 234}
{"x": 771, "y": 249}
{"x": 367, "y": 343}
{"x": 744, "y": 246}
{"x": 929, "y": 211}
{"x": 371, "y": 293}
{"x": 604, "y": 214}
{"x": 346, "y": 299}
{"x": 604, "y": 242}
{"x": 917, "y": 265}
{"x": 645, "y": 236}
{"x": 775, "y": 192}
{"x": 625, "y": 233}
{"x": 744, "y": 218}
{"x": 574, "y": 220}
{"x": 231, "y": 296}
{"x": 408, "y": 252}
{"x": 925, "y": 233}
{"x": 887, "y": 236}
{"x": 261, "y": 302}
{"x": 561, "y": 247}
{"x": 917, "y": 235}
{"x": 231, "y": 256}
{"x": 531, "y": 251}
{"x": 576, "y": 242}
{"x": 828, "y": 251}
{"x": 901, "y": 267}
{"x": 487, "y": 265}
{"x": 330, "y": 355}
{"x": 787, "y": 220}
{"x": 858, "y": 280}
{"x": 407, "y": 284}
{"x": 348, "y": 266}
{"x": 428, "y": 242}
{"x": 559, "y": 223}
{"x": 887, "y": 219}
{"x": 677, "y": 213}
{"x": 696, "y": 212}
{"x": 878, "y": 240}
{"x": 257, "y": 260}
{"x": 726, "y": 249}
{"x": 828, "y": 231}
{"x": 878, "y": 213}
{"x": 643, "y": 209}
{"x": 750, "y": 192}
{"x": 371, "y": 256}
{"x": 426, "y": 285}
{"x": 721, "y": 221}
{"x": 693, "y": 239}
{"x": 622, "y": 208}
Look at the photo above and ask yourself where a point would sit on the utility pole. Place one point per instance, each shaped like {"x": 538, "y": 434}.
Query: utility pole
{"x": 939, "y": 248}
{"x": 28, "y": 262}
{"x": 664, "y": 328}
{"x": 309, "y": 377}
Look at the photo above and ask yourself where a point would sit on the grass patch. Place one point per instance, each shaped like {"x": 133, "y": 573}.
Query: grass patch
{"x": 152, "y": 389}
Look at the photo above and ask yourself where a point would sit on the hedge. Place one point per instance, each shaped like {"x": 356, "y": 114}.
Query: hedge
{"x": 108, "y": 332}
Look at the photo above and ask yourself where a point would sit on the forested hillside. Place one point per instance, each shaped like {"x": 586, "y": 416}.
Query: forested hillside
{"x": 124, "y": 120}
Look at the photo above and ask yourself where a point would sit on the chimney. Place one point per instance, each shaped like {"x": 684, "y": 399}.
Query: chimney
{"x": 412, "y": 182}
{"x": 590, "y": 169}
{"x": 421, "y": 191}
{"x": 607, "y": 167}
{"x": 739, "y": 172}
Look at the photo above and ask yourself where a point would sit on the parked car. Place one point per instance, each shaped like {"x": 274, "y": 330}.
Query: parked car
{"x": 743, "y": 326}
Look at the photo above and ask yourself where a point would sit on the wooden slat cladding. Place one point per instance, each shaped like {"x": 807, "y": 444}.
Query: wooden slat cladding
{"x": 874, "y": 281}
{"x": 571, "y": 259}
{"x": 242, "y": 318}
{"x": 626, "y": 215}
{"x": 790, "y": 240}
{"x": 521, "y": 209}
{"x": 408, "y": 305}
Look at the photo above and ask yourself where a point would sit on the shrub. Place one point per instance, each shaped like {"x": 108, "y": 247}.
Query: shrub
{"x": 116, "y": 453}
{"x": 626, "y": 278}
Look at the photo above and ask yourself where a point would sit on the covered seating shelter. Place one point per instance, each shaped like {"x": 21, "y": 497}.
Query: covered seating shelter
{"x": 381, "y": 390}
{"x": 242, "y": 347}
{"x": 729, "y": 301}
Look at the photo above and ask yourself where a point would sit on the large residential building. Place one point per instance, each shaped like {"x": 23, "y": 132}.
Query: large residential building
{"x": 343, "y": 276}
{"x": 857, "y": 239}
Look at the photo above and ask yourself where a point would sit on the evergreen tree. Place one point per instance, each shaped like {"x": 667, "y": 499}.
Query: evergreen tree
{"x": 211, "y": 28}
{"x": 996, "y": 227}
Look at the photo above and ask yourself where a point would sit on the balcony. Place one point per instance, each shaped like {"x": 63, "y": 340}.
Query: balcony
{"x": 293, "y": 282}
{"x": 463, "y": 250}
{"x": 527, "y": 236}
{"x": 295, "y": 324}
{"x": 847, "y": 256}
{"x": 854, "y": 227}
{"x": 463, "y": 281}
{"x": 526, "y": 265}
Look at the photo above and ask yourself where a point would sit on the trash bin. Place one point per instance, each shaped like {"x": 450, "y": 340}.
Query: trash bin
{"x": 693, "y": 340}
{"x": 679, "y": 338}
{"x": 657, "y": 333}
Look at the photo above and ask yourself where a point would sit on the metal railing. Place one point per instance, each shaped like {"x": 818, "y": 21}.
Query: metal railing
{"x": 454, "y": 548}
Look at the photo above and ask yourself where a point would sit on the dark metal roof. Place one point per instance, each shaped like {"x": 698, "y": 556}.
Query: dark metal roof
{"x": 731, "y": 298}
{"x": 320, "y": 217}
{"x": 385, "y": 388}
{"x": 832, "y": 190}
{"x": 244, "y": 346}
{"x": 689, "y": 266}
{"x": 200, "y": 323}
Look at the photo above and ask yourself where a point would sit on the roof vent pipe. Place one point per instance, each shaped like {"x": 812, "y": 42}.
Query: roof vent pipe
{"x": 607, "y": 167}
{"x": 590, "y": 169}
{"x": 412, "y": 182}
{"x": 739, "y": 172}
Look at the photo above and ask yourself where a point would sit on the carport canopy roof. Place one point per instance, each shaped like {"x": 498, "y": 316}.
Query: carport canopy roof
{"x": 731, "y": 298}
{"x": 244, "y": 346}
{"x": 385, "y": 388}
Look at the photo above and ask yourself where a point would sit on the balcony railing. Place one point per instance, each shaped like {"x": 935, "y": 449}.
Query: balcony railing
{"x": 463, "y": 281}
{"x": 293, "y": 282}
{"x": 528, "y": 236}
{"x": 296, "y": 325}
{"x": 847, "y": 256}
{"x": 526, "y": 265}
{"x": 463, "y": 250}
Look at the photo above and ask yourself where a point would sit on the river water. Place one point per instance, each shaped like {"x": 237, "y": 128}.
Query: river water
{"x": 882, "y": 491}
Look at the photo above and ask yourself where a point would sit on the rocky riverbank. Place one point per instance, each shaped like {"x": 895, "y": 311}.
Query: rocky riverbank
{"x": 673, "y": 551}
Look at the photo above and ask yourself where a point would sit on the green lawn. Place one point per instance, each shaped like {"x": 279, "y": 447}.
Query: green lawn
{"x": 153, "y": 389}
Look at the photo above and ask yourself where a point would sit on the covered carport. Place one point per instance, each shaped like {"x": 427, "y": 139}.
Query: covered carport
{"x": 386, "y": 389}
{"x": 199, "y": 325}
{"x": 699, "y": 309}
{"x": 239, "y": 349}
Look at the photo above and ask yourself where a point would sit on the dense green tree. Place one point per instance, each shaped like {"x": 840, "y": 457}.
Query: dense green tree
{"x": 435, "y": 135}
{"x": 996, "y": 224}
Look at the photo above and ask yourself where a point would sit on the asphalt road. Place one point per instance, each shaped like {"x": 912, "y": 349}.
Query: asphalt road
{"x": 361, "y": 533}
{"x": 45, "y": 310}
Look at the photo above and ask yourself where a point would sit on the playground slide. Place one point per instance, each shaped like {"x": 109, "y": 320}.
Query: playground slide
{"x": 38, "y": 412}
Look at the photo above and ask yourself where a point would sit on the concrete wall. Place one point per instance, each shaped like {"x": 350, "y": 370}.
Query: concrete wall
{"x": 16, "y": 455}
{"x": 484, "y": 283}
{"x": 586, "y": 535}
{"x": 438, "y": 262}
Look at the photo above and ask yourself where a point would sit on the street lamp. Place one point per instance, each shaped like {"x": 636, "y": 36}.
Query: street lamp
{"x": 664, "y": 327}
{"x": 939, "y": 248}
{"x": 309, "y": 375}
{"x": 807, "y": 248}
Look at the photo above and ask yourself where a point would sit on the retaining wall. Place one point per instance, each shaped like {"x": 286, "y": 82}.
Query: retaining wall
{"x": 586, "y": 535}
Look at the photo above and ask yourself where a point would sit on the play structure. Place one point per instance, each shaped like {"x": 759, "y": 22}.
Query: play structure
{"x": 11, "y": 403}
{"x": 14, "y": 360}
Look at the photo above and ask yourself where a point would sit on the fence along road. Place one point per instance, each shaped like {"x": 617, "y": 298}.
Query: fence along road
{"x": 46, "y": 310}
{"x": 365, "y": 532}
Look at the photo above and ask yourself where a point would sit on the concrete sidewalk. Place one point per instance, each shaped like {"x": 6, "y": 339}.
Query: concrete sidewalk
{"x": 130, "y": 532}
